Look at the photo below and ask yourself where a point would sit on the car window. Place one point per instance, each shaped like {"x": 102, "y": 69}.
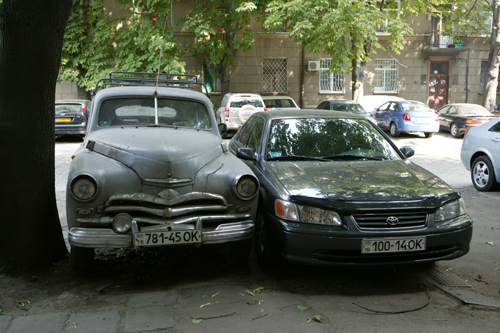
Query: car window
{"x": 327, "y": 137}
{"x": 287, "y": 103}
{"x": 68, "y": 108}
{"x": 244, "y": 132}
{"x": 238, "y": 102}
{"x": 384, "y": 106}
{"x": 474, "y": 110}
{"x": 444, "y": 110}
{"x": 496, "y": 127}
{"x": 324, "y": 106}
{"x": 415, "y": 107}
{"x": 256, "y": 135}
{"x": 393, "y": 107}
{"x": 141, "y": 112}
{"x": 452, "y": 110}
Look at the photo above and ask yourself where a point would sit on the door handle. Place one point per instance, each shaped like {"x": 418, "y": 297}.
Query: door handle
{"x": 495, "y": 139}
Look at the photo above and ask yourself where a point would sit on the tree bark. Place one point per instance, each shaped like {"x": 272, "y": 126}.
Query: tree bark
{"x": 491, "y": 74}
{"x": 31, "y": 37}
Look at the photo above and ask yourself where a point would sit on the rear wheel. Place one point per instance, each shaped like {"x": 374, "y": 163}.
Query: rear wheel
{"x": 81, "y": 259}
{"x": 393, "y": 130}
{"x": 454, "y": 130}
{"x": 482, "y": 174}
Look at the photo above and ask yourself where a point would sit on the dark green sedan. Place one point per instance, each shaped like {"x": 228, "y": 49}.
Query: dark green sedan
{"x": 335, "y": 190}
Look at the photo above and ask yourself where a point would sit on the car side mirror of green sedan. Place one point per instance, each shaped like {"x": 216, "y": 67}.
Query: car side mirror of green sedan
{"x": 246, "y": 154}
{"x": 408, "y": 151}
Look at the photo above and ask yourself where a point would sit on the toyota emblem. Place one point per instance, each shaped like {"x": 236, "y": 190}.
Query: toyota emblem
{"x": 392, "y": 220}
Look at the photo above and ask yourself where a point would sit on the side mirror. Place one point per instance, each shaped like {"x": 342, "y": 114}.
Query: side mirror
{"x": 408, "y": 151}
{"x": 246, "y": 154}
{"x": 222, "y": 129}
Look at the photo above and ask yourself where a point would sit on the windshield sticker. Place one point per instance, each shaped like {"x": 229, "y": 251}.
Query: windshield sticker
{"x": 275, "y": 154}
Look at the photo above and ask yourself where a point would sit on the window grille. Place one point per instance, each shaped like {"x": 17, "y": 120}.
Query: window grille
{"x": 386, "y": 76}
{"x": 330, "y": 82}
{"x": 274, "y": 75}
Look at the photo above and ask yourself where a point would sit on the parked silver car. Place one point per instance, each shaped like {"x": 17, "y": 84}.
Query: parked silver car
{"x": 154, "y": 171}
{"x": 480, "y": 155}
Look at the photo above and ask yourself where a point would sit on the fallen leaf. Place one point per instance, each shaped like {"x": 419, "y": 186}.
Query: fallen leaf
{"x": 196, "y": 321}
{"x": 253, "y": 302}
{"x": 491, "y": 243}
{"x": 318, "y": 318}
{"x": 250, "y": 293}
{"x": 2, "y": 312}
{"x": 302, "y": 308}
{"x": 208, "y": 304}
{"x": 216, "y": 294}
{"x": 261, "y": 301}
{"x": 258, "y": 290}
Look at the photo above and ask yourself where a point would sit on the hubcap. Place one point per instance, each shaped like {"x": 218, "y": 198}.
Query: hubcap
{"x": 481, "y": 174}
{"x": 454, "y": 130}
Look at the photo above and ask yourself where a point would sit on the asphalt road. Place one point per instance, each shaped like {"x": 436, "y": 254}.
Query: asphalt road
{"x": 462, "y": 295}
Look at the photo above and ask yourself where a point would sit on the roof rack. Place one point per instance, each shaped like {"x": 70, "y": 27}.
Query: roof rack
{"x": 185, "y": 81}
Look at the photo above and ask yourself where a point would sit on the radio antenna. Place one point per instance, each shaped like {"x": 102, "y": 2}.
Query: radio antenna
{"x": 161, "y": 50}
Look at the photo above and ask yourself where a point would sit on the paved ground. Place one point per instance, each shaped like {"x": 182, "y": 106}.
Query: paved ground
{"x": 172, "y": 292}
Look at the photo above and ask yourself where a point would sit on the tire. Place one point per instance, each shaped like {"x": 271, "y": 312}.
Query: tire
{"x": 81, "y": 259}
{"x": 454, "y": 131}
{"x": 262, "y": 242}
{"x": 482, "y": 174}
{"x": 234, "y": 253}
{"x": 429, "y": 134}
{"x": 393, "y": 130}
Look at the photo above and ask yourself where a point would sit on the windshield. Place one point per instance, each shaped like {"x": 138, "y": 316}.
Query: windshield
{"x": 415, "y": 107}
{"x": 349, "y": 107}
{"x": 238, "y": 102}
{"x": 279, "y": 103}
{"x": 68, "y": 108}
{"x": 141, "y": 111}
{"x": 327, "y": 139}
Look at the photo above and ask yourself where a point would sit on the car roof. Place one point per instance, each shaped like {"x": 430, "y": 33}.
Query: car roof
{"x": 308, "y": 113}
{"x": 62, "y": 101}
{"x": 146, "y": 91}
{"x": 338, "y": 101}
{"x": 276, "y": 97}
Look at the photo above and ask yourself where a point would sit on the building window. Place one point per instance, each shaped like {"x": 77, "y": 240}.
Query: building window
{"x": 330, "y": 82}
{"x": 386, "y": 76}
{"x": 274, "y": 75}
{"x": 211, "y": 78}
{"x": 391, "y": 10}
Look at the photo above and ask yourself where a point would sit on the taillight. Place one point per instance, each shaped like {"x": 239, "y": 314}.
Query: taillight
{"x": 83, "y": 108}
{"x": 226, "y": 114}
{"x": 265, "y": 109}
{"x": 437, "y": 118}
{"x": 406, "y": 117}
{"x": 473, "y": 121}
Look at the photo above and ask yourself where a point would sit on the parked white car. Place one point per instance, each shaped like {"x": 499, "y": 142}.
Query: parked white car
{"x": 480, "y": 155}
{"x": 235, "y": 109}
{"x": 280, "y": 103}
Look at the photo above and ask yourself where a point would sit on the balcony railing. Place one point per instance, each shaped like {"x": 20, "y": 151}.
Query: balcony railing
{"x": 436, "y": 40}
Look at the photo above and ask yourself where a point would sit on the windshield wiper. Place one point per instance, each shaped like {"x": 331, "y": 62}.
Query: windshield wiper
{"x": 352, "y": 157}
{"x": 297, "y": 158}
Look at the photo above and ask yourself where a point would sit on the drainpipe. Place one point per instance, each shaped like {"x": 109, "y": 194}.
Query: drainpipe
{"x": 302, "y": 73}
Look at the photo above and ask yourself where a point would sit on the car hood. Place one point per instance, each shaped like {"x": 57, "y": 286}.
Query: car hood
{"x": 159, "y": 153}
{"x": 398, "y": 180}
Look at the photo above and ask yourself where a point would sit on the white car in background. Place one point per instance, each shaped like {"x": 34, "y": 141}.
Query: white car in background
{"x": 235, "y": 109}
{"x": 280, "y": 103}
{"x": 480, "y": 155}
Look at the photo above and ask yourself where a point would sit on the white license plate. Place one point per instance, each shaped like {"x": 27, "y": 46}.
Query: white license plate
{"x": 387, "y": 245}
{"x": 167, "y": 237}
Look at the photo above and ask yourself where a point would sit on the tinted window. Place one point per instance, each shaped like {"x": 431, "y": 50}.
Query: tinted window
{"x": 244, "y": 132}
{"x": 496, "y": 127}
{"x": 68, "y": 108}
{"x": 256, "y": 135}
{"x": 238, "y": 102}
{"x": 326, "y": 137}
{"x": 142, "y": 112}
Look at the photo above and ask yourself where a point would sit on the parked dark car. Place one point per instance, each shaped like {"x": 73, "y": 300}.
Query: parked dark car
{"x": 344, "y": 105}
{"x": 458, "y": 118}
{"x": 335, "y": 190}
{"x": 407, "y": 117}
{"x": 71, "y": 116}
{"x": 154, "y": 171}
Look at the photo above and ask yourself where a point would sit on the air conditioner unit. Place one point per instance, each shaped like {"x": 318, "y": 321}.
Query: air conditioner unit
{"x": 313, "y": 66}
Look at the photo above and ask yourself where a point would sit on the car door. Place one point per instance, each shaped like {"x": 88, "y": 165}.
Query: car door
{"x": 381, "y": 115}
{"x": 495, "y": 144}
{"x": 449, "y": 117}
{"x": 442, "y": 116}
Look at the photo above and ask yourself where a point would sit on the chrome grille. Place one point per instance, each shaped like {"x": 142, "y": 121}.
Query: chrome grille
{"x": 394, "y": 221}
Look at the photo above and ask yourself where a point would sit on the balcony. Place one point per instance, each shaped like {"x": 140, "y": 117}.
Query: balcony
{"x": 438, "y": 45}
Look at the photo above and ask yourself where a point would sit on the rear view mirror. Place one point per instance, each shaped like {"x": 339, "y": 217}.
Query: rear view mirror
{"x": 408, "y": 151}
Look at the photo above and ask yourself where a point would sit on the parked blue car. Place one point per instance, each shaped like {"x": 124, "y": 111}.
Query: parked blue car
{"x": 407, "y": 116}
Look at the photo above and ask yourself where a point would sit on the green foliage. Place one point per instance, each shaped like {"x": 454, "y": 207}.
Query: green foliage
{"x": 94, "y": 44}
{"x": 216, "y": 24}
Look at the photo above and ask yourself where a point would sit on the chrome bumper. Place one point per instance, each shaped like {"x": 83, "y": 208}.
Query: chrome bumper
{"x": 100, "y": 237}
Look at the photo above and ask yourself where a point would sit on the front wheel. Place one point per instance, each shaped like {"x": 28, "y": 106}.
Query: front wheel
{"x": 262, "y": 241}
{"x": 454, "y": 130}
{"x": 482, "y": 174}
{"x": 394, "y": 130}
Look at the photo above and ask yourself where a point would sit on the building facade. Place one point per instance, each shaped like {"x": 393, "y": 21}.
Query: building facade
{"x": 431, "y": 68}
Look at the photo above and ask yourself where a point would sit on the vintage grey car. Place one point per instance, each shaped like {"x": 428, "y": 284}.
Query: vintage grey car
{"x": 153, "y": 170}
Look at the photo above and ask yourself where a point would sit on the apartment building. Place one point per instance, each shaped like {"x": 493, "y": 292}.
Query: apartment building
{"x": 431, "y": 68}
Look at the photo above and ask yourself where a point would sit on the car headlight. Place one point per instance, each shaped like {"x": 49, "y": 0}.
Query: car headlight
{"x": 122, "y": 223}
{"x": 307, "y": 214}
{"x": 451, "y": 210}
{"x": 246, "y": 187}
{"x": 83, "y": 188}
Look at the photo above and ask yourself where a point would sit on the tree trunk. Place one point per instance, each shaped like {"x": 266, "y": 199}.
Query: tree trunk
{"x": 31, "y": 37}
{"x": 491, "y": 74}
